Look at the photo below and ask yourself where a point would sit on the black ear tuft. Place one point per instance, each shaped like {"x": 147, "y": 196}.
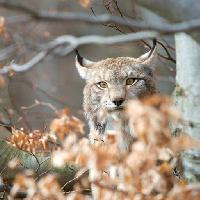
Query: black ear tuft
{"x": 79, "y": 57}
{"x": 153, "y": 48}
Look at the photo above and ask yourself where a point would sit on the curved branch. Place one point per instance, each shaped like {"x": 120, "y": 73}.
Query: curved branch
{"x": 70, "y": 43}
{"x": 187, "y": 26}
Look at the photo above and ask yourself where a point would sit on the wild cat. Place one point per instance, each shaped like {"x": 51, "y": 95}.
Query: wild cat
{"x": 110, "y": 84}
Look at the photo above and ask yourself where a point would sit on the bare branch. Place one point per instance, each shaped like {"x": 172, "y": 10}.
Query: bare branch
{"x": 65, "y": 44}
{"x": 108, "y": 25}
{"x": 187, "y": 26}
{"x": 40, "y": 103}
{"x": 118, "y": 9}
{"x": 169, "y": 57}
{"x": 82, "y": 173}
{"x": 17, "y": 68}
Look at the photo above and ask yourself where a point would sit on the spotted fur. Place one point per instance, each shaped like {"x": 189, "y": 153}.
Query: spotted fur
{"x": 98, "y": 102}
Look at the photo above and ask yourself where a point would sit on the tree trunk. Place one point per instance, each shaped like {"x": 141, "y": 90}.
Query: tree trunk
{"x": 187, "y": 90}
{"x": 187, "y": 99}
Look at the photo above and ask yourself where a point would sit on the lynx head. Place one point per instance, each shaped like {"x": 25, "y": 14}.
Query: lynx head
{"x": 110, "y": 83}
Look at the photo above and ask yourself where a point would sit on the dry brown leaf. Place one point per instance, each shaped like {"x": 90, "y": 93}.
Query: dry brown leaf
{"x": 84, "y": 3}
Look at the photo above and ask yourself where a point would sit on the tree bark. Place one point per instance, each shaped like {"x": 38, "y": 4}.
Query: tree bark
{"x": 187, "y": 91}
{"x": 187, "y": 100}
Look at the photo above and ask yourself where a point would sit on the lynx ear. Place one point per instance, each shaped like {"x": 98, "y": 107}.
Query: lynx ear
{"x": 82, "y": 65}
{"x": 150, "y": 57}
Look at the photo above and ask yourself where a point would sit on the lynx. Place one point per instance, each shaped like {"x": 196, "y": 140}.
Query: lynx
{"x": 111, "y": 83}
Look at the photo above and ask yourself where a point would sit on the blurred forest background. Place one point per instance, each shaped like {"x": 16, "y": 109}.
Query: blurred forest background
{"x": 55, "y": 79}
{"x": 38, "y": 78}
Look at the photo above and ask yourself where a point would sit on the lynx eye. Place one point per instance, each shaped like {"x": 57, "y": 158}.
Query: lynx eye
{"x": 131, "y": 81}
{"x": 102, "y": 84}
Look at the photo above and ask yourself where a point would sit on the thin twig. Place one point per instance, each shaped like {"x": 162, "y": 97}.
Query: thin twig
{"x": 118, "y": 9}
{"x": 108, "y": 25}
{"x": 40, "y": 103}
{"x": 75, "y": 179}
{"x": 169, "y": 57}
{"x": 110, "y": 188}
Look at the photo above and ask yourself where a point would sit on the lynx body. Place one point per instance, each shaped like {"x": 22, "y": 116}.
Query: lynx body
{"x": 111, "y": 83}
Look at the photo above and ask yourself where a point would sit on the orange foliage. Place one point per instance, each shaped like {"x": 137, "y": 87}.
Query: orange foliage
{"x": 2, "y": 25}
{"x": 143, "y": 172}
{"x": 31, "y": 142}
{"x": 84, "y": 3}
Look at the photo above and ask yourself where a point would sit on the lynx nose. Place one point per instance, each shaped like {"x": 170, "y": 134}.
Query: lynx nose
{"x": 118, "y": 102}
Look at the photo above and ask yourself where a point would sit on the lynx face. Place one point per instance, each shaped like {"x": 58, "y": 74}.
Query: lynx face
{"x": 112, "y": 82}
